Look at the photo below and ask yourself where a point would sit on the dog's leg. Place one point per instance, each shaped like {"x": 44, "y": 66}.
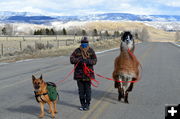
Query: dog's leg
{"x": 41, "y": 115}
{"x": 51, "y": 109}
{"x": 55, "y": 108}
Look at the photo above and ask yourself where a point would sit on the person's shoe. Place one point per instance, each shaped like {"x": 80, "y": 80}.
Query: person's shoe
{"x": 86, "y": 108}
{"x": 82, "y": 108}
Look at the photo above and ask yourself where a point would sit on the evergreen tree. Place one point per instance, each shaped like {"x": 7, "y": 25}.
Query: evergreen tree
{"x": 64, "y": 31}
{"x": 39, "y": 32}
{"x": 106, "y": 33}
{"x": 4, "y": 31}
{"x": 35, "y": 32}
{"x": 84, "y": 33}
{"x": 52, "y": 32}
{"x": 47, "y": 31}
{"x": 95, "y": 33}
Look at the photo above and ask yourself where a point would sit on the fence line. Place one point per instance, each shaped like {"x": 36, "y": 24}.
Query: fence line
{"x": 12, "y": 46}
{"x": 2, "y": 50}
{"x": 9, "y": 45}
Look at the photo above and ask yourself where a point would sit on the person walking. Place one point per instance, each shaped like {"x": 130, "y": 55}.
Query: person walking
{"x": 81, "y": 55}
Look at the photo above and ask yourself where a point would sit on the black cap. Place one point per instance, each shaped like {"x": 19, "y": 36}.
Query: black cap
{"x": 84, "y": 40}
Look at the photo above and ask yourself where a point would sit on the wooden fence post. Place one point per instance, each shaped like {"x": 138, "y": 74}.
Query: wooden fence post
{"x": 48, "y": 44}
{"x": 23, "y": 38}
{"x": 74, "y": 39}
{"x": 35, "y": 45}
{"x": 66, "y": 42}
{"x": 58, "y": 43}
{"x": 20, "y": 45}
{"x": 2, "y": 52}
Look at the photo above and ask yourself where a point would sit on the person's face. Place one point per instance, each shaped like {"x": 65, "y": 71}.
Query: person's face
{"x": 84, "y": 45}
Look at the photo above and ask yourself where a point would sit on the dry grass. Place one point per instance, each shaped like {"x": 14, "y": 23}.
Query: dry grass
{"x": 156, "y": 35}
{"x": 62, "y": 51}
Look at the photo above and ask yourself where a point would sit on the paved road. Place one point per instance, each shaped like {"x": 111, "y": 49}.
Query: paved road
{"x": 160, "y": 85}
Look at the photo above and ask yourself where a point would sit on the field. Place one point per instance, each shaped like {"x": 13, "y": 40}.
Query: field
{"x": 24, "y": 47}
{"x": 155, "y": 35}
{"x": 19, "y": 43}
{"x": 14, "y": 48}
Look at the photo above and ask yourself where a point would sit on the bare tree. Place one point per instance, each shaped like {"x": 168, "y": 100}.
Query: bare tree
{"x": 144, "y": 35}
{"x": 1, "y": 30}
{"x": 9, "y": 29}
{"x": 177, "y": 36}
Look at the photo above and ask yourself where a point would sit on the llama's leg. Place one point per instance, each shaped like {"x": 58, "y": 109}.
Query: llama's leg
{"x": 123, "y": 86}
{"x": 130, "y": 87}
{"x": 120, "y": 88}
{"x": 128, "y": 84}
{"x": 120, "y": 93}
{"x": 126, "y": 98}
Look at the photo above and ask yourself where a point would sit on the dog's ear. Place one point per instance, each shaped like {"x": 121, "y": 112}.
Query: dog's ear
{"x": 41, "y": 77}
{"x": 33, "y": 78}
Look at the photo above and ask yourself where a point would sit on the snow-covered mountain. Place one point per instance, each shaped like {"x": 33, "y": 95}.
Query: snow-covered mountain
{"x": 27, "y": 17}
{"x": 6, "y": 14}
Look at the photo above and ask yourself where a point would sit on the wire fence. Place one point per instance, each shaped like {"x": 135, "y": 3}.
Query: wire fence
{"x": 12, "y": 44}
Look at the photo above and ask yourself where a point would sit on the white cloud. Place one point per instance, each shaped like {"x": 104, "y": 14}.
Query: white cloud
{"x": 72, "y": 7}
{"x": 33, "y": 10}
{"x": 172, "y": 3}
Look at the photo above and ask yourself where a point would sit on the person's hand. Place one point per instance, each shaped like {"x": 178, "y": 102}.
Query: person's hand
{"x": 83, "y": 60}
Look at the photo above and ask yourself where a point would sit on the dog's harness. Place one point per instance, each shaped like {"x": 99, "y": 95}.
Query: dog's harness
{"x": 40, "y": 96}
{"x": 49, "y": 93}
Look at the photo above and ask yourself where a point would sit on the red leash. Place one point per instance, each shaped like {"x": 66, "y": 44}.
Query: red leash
{"x": 87, "y": 73}
{"x": 133, "y": 56}
{"x": 66, "y": 77}
{"x": 88, "y": 70}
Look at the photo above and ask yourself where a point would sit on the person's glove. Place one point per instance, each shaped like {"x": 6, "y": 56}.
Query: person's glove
{"x": 83, "y": 61}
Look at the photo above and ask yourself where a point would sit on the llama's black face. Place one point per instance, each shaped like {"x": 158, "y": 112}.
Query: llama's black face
{"x": 127, "y": 40}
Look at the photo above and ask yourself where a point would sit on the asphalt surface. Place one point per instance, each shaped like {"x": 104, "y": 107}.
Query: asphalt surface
{"x": 160, "y": 85}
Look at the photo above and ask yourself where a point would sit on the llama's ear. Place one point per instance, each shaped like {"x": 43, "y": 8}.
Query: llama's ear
{"x": 33, "y": 78}
{"x": 41, "y": 77}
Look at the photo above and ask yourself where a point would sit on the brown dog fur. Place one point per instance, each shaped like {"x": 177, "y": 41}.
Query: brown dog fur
{"x": 41, "y": 88}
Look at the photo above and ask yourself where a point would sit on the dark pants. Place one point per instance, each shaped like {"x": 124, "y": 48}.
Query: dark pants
{"x": 84, "y": 88}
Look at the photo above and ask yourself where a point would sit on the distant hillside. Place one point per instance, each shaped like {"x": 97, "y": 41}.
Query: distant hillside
{"x": 27, "y": 17}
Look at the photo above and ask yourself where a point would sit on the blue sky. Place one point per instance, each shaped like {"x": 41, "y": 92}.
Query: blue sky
{"x": 83, "y": 7}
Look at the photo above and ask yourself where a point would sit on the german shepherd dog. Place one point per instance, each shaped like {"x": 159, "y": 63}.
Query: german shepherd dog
{"x": 41, "y": 94}
{"x": 125, "y": 67}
